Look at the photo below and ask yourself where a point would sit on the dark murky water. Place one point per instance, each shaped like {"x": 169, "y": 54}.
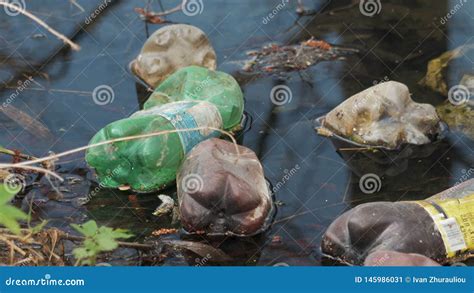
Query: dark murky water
{"x": 319, "y": 185}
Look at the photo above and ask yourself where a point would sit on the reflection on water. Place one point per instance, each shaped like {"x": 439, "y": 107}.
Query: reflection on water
{"x": 395, "y": 44}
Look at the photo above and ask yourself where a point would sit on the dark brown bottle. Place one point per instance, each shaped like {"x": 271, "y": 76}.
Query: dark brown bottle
{"x": 222, "y": 191}
{"x": 440, "y": 227}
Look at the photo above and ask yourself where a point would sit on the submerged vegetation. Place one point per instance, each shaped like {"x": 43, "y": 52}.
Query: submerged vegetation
{"x": 57, "y": 210}
{"x": 97, "y": 240}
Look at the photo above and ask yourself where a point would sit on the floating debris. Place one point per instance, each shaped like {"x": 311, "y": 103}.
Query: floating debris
{"x": 30, "y": 124}
{"x": 164, "y": 231}
{"x": 149, "y": 16}
{"x": 383, "y": 116}
{"x": 458, "y": 117}
{"x": 170, "y": 49}
{"x": 166, "y": 206}
{"x": 201, "y": 249}
{"x": 201, "y": 84}
{"x": 440, "y": 228}
{"x": 222, "y": 191}
{"x": 449, "y": 69}
{"x": 274, "y": 58}
{"x": 150, "y": 164}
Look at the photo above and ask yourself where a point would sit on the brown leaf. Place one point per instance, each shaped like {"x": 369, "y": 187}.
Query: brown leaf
{"x": 164, "y": 231}
{"x": 149, "y": 16}
{"x": 30, "y": 124}
{"x": 201, "y": 249}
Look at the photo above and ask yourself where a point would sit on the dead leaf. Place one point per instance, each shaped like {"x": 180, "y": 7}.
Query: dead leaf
{"x": 164, "y": 231}
{"x": 30, "y": 124}
{"x": 201, "y": 249}
{"x": 149, "y": 16}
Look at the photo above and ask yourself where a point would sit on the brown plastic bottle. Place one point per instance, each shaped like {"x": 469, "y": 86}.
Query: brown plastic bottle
{"x": 222, "y": 191}
{"x": 440, "y": 227}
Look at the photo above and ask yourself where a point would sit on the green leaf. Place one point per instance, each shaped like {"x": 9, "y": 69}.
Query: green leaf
{"x": 97, "y": 240}
{"x": 9, "y": 217}
{"x": 80, "y": 253}
{"x": 39, "y": 227}
{"x": 83, "y": 256}
{"x": 115, "y": 233}
{"x": 106, "y": 243}
{"x": 8, "y": 192}
{"x": 89, "y": 228}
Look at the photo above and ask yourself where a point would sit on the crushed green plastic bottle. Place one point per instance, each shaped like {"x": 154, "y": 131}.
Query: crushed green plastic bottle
{"x": 199, "y": 83}
{"x": 150, "y": 164}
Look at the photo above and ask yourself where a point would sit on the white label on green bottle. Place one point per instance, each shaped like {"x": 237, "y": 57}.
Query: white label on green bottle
{"x": 189, "y": 115}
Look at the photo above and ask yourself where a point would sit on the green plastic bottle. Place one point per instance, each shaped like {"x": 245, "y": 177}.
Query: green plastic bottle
{"x": 150, "y": 164}
{"x": 199, "y": 83}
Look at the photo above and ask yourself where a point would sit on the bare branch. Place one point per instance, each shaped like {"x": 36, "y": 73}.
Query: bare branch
{"x": 26, "y": 164}
{"x": 169, "y": 11}
{"x": 32, "y": 168}
{"x": 73, "y": 45}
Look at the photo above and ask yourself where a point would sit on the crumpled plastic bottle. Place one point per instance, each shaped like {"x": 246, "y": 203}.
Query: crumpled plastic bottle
{"x": 199, "y": 83}
{"x": 223, "y": 193}
{"x": 440, "y": 228}
{"x": 384, "y": 115}
{"x": 171, "y": 48}
{"x": 151, "y": 163}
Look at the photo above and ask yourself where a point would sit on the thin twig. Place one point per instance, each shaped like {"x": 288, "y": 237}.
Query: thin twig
{"x": 356, "y": 149}
{"x": 26, "y": 164}
{"x": 24, "y": 261}
{"x": 12, "y": 245}
{"x": 73, "y": 45}
{"x": 73, "y": 2}
{"x": 135, "y": 245}
{"x": 32, "y": 168}
{"x": 127, "y": 138}
{"x": 7, "y": 238}
{"x": 18, "y": 154}
{"x": 166, "y": 12}
{"x": 337, "y": 259}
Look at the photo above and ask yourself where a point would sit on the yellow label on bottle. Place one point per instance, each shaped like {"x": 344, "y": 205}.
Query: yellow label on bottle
{"x": 454, "y": 218}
